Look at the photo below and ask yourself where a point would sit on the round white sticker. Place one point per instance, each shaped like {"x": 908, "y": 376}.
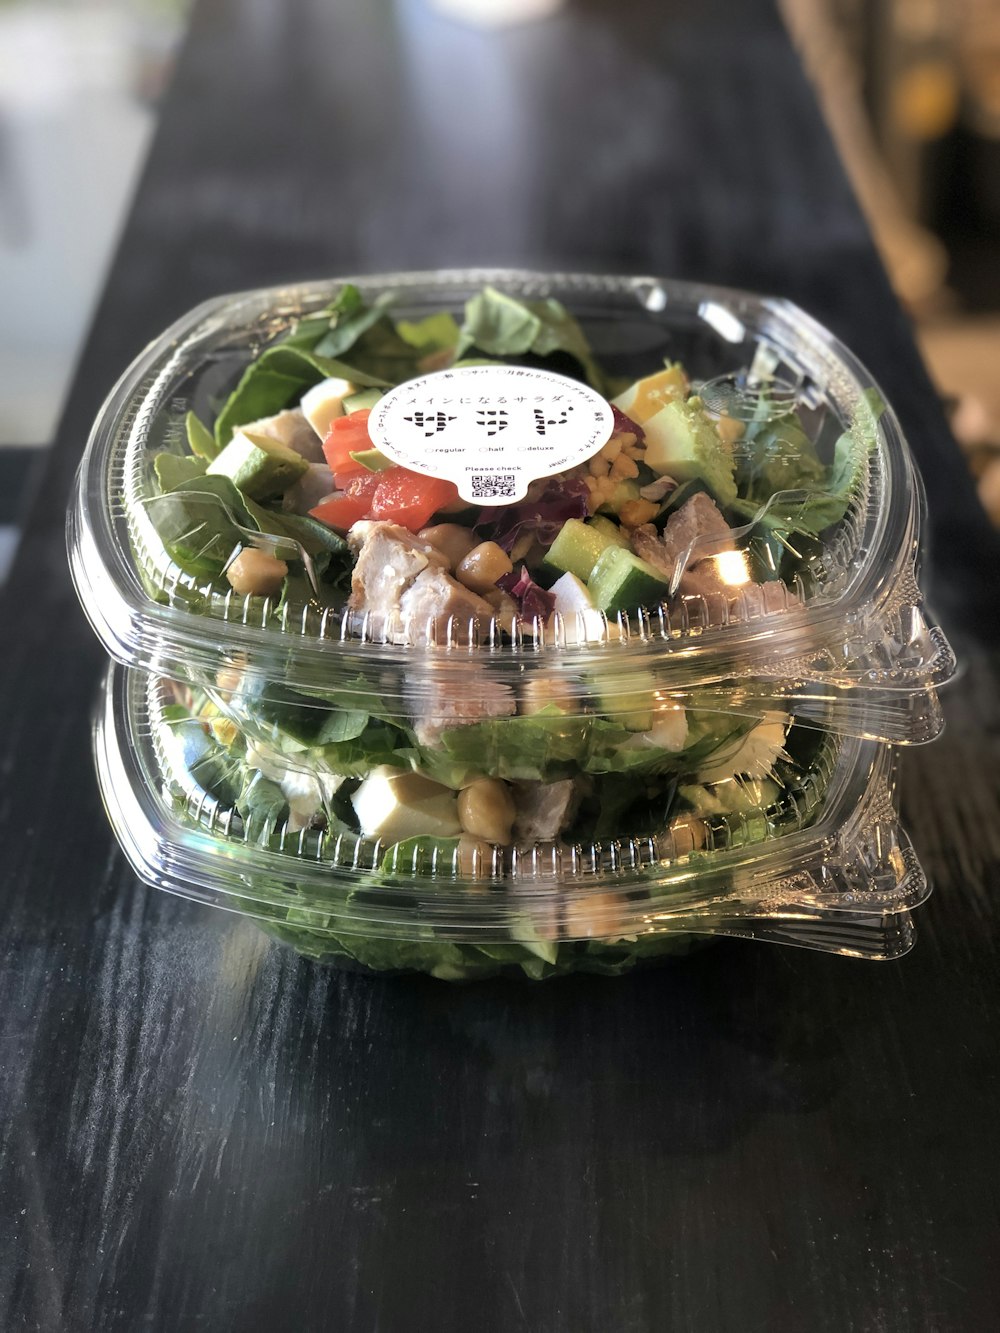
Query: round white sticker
{"x": 491, "y": 429}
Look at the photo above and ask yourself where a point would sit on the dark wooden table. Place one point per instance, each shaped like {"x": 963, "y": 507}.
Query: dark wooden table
{"x": 200, "y": 1131}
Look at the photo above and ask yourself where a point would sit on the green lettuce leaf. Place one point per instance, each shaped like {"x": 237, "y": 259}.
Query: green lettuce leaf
{"x": 542, "y": 746}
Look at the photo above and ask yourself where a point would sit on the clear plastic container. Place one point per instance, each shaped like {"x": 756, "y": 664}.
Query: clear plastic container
{"x": 842, "y": 638}
{"x": 824, "y": 865}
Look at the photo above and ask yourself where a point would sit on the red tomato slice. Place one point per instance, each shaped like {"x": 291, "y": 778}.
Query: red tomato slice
{"x": 342, "y": 511}
{"x": 355, "y": 503}
{"x": 347, "y": 435}
{"x": 409, "y": 498}
{"x": 357, "y": 479}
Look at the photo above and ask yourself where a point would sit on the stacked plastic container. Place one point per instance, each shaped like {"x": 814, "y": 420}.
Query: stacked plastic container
{"x": 666, "y": 772}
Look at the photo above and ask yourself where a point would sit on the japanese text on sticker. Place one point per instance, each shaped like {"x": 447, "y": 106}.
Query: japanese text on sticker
{"x": 492, "y": 430}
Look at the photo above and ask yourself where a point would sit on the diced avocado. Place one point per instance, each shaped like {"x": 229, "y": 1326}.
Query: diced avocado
{"x": 577, "y": 547}
{"x": 626, "y": 490}
{"x": 647, "y": 396}
{"x": 682, "y": 442}
{"x": 355, "y": 402}
{"x": 610, "y": 529}
{"x": 392, "y": 806}
{"x": 258, "y": 465}
{"x": 620, "y": 581}
{"x": 628, "y": 700}
{"x": 373, "y": 459}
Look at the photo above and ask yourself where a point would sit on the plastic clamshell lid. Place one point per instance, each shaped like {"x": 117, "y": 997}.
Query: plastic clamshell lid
{"x": 847, "y": 874}
{"x": 856, "y": 637}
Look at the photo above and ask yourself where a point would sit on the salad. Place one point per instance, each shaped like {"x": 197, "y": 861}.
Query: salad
{"x": 709, "y": 500}
{"x": 710, "y": 495}
{"x": 544, "y": 921}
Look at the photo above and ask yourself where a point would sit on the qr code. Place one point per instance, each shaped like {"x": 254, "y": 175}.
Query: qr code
{"x": 487, "y": 485}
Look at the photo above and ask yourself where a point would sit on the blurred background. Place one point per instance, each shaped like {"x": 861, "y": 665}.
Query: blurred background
{"x": 910, "y": 88}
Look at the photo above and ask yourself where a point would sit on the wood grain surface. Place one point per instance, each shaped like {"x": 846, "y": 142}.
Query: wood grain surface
{"x": 200, "y": 1131}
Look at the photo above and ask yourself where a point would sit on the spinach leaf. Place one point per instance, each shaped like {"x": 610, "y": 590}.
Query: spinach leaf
{"x": 377, "y": 743}
{"x": 368, "y": 338}
{"x": 783, "y": 458}
{"x": 823, "y": 498}
{"x": 201, "y": 519}
{"x": 201, "y": 522}
{"x": 498, "y": 325}
{"x": 436, "y": 333}
{"x": 172, "y": 469}
{"x": 314, "y": 537}
{"x": 349, "y": 320}
{"x": 200, "y": 439}
{"x": 343, "y": 724}
{"x": 279, "y": 377}
{"x": 263, "y": 806}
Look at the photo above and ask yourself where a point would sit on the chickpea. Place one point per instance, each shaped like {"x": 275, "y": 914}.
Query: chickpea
{"x": 256, "y": 574}
{"x": 594, "y": 917}
{"x": 486, "y": 810}
{"x": 537, "y": 693}
{"x": 474, "y": 858}
{"x": 451, "y": 539}
{"x": 504, "y": 608}
{"x": 613, "y": 448}
{"x": 230, "y": 676}
{"x": 689, "y": 834}
{"x": 481, "y": 568}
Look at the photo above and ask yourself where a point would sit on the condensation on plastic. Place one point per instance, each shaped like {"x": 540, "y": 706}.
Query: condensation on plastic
{"x": 856, "y": 646}
{"x": 842, "y": 877}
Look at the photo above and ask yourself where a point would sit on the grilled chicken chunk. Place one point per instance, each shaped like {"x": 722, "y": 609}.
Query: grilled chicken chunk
{"x": 388, "y": 560}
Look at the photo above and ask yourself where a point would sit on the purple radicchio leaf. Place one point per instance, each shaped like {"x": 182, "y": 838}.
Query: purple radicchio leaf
{"x": 624, "y": 423}
{"x": 542, "y": 513}
{"x": 534, "y": 602}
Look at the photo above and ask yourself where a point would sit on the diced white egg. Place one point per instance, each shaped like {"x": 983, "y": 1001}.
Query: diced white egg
{"x": 582, "y": 621}
{"x": 393, "y": 805}
{"x": 670, "y": 728}
{"x": 325, "y": 401}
